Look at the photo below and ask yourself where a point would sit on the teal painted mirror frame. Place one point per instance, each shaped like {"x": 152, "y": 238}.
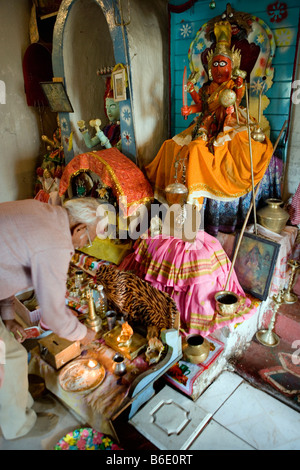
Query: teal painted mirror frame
{"x": 119, "y": 40}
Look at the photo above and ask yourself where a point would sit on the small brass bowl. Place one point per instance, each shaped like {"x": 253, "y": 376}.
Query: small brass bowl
{"x": 227, "y": 302}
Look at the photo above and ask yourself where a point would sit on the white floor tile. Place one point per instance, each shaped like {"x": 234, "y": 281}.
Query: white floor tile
{"x": 216, "y": 437}
{"x": 218, "y": 392}
{"x": 259, "y": 419}
{"x": 170, "y": 420}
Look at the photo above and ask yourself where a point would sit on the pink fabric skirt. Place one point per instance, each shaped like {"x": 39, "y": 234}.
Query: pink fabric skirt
{"x": 191, "y": 273}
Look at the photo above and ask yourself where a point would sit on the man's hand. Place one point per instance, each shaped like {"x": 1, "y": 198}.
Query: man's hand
{"x": 18, "y": 331}
{"x": 239, "y": 82}
{"x": 89, "y": 337}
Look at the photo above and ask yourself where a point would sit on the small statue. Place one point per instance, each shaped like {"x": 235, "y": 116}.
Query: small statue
{"x": 99, "y": 138}
{"x": 109, "y": 136}
{"x": 154, "y": 350}
{"x": 124, "y": 338}
{"x": 50, "y": 171}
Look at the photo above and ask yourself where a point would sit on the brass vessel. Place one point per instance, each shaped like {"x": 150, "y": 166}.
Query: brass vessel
{"x": 227, "y": 302}
{"x": 195, "y": 349}
{"x": 272, "y": 216}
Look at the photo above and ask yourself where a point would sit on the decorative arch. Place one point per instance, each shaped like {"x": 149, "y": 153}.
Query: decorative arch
{"x": 119, "y": 43}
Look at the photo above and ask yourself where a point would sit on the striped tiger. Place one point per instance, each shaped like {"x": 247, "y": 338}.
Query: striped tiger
{"x": 137, "y": 300}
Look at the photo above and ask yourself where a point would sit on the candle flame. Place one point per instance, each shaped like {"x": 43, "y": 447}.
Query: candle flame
{"x": 92, "y": 363}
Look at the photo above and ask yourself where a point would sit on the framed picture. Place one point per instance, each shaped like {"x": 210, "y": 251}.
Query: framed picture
{"x": 119, "y": 84}
{"x": 57, "y": 97}
{"x": 255, "y": 264}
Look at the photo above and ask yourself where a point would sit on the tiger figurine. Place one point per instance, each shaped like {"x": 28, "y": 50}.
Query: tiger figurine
{"x": 137, "y": 300}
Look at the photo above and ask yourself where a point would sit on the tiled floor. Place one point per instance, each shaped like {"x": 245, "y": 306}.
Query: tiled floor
{"x": 244, "y": 418}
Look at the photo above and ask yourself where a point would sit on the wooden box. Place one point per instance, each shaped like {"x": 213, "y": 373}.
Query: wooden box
{"x": 29, "y": 317}
{"x": 58, "y": 351}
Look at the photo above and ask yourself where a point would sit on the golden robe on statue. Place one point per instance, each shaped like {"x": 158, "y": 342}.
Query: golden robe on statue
{"x": 222, "y": 175}
{"x": 212, "y": 157}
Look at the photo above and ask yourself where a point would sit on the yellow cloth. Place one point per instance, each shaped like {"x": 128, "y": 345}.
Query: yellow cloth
{"x": 224, "y": 175}
{"x": 108, "y": 250}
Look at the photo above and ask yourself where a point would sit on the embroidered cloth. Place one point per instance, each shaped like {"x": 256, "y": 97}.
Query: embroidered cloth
{"x": 127, "y": 181}
{"x": 191, "y": 273}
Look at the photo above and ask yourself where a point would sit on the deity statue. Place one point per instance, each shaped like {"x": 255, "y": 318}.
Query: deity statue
{"x": 109, "y": 136}
{"x": 124, "y": 339}
{"x": 211, "y": 157}
{"x": 220, "y": 98}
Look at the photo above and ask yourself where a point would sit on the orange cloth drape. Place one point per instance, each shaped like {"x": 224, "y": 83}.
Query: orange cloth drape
{"x": 223, "y": 176}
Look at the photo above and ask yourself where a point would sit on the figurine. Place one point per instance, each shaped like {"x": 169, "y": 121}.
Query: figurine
{"x": 154, "y": 350}
{"x": 50, "y": 171}
{"x": 124, "y": 338}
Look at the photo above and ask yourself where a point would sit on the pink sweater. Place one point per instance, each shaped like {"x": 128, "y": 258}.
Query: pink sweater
{"x": 35, "y": 251}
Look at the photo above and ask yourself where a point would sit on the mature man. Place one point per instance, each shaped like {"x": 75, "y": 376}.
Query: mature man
{"x": 37, "y": 241}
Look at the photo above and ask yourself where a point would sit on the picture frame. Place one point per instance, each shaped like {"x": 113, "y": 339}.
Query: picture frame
{"x": 255, "y": 264}
{"x": 119, "y": 84}
{"x": 57, "y": 97}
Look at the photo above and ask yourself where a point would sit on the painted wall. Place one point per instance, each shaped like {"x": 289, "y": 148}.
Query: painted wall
{"x": 149, "y": 59}
{"x": 19, "y": 129}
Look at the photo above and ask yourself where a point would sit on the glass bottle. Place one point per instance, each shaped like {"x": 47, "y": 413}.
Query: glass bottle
{"x": 102, "y": 303}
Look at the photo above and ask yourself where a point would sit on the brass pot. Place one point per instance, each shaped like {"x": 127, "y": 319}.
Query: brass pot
{"x": 227, "y": 302}
{"x": 195, "y": 349}
{"x": 176, "y": 193}
{"x": 272, "y": 216}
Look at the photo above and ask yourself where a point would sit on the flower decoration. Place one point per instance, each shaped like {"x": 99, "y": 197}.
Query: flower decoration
{"x": 256, "y": 86}
{"x": 86, "y": 439}
{"x": 64, "y": 124}
{"x": 277, "y": 11}
{"x": 200, "y": 46}
{"x": 126, "y": 114}
{"x": 186, "y": 30}
{"x": 126, "y": 137}
{"x": 283, "y": 37}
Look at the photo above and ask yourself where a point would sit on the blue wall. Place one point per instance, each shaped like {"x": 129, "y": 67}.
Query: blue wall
{"x": 184, "y": 26}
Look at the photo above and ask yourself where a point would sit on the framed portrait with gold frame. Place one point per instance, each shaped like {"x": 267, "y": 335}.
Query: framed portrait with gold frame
{"x": 119, "y": 84}
{"x": 57, "y": 97}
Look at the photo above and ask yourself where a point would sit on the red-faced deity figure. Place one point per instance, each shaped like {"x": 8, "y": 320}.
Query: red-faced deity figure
{"x": 221, "y": 68}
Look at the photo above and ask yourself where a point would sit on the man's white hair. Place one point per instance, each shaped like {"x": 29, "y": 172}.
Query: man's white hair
{"x": 82, "y": 210}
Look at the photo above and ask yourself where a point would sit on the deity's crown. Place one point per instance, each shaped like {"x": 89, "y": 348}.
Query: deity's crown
{"x": 222, "y": 30}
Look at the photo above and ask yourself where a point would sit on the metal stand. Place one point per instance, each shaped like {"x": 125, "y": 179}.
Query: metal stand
{"x": 289, "y": 297}
{"x": 268, "y": 337}
{"x": 93, "y": 321}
